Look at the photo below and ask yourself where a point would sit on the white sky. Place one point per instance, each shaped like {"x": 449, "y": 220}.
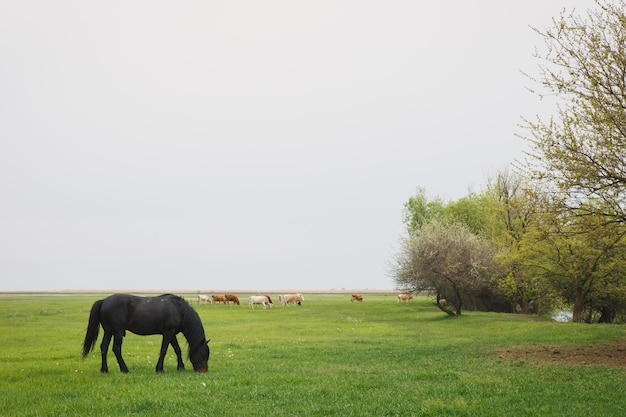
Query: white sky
{"x": 244, "y": 144}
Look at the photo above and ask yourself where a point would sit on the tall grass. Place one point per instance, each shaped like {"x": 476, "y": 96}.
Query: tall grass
{"x": 329, "y": 357}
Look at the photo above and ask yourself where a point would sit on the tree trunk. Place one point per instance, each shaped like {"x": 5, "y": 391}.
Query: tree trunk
{"x": 607, "y": 315}
{"x": 579, "y": 303}
{"x": 442, "y": 306}
{"x": 459, "y": 300}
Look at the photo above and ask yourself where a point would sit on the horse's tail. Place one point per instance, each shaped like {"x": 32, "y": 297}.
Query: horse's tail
{"x": 93, "y": 328}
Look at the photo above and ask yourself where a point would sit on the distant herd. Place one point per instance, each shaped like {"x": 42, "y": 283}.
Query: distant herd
{"x": 285, "y": 299}
{"x": 259, "y": 299}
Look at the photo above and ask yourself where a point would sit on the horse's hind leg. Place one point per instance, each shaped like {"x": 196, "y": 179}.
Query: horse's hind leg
{"x": 179, "y": 355}
{"x": 117, "y": 349}
{"x": 104, "y": 347}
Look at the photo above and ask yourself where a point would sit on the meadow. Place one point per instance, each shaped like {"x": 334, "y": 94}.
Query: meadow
{"x": 328, "y": 357}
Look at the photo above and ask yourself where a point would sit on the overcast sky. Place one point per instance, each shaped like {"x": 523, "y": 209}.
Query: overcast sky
{"x": 245, "y": 144}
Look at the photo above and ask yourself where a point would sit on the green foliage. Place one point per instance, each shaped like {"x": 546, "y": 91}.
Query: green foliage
{"x": 578, "y": 159}
{"x": 479, "y": 212}
{"x": 580, "y": 151}
{"x": 327, "y": 357}
{"x": 581, "y": 257}
{"x": 559, "y": 224}
{"x": 548, "y": 257}
{"x": 420, "y": 209}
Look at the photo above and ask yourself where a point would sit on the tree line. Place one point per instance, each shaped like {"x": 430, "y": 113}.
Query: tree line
{"x": 550, "y": 232}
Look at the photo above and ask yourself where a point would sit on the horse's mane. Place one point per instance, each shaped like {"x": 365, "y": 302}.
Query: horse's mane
{"x": 192, "y": 325}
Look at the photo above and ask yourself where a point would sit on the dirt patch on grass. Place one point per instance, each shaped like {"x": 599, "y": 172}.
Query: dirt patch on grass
{"x": 612, "y": 353}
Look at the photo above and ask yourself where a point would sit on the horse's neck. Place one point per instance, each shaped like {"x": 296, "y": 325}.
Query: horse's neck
{"x": 192, "y": 327}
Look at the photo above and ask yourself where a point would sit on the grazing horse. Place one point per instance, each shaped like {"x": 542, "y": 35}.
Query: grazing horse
{"x": 166, "y": 314}
{"x": 205, "y": 298}
{"x": 291, "y": 298}
{"x": 231, "y": 297}
{"x": 405, "y": 298}
{"x": 219, "y": 298}
{"x": 260, "y": 299}
{"x": 356, "y": 297}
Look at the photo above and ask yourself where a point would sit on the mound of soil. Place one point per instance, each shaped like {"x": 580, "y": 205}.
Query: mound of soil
{"x": 612, "y": 353}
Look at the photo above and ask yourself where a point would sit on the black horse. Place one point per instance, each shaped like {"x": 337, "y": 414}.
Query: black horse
{"x": 166, "y": 314}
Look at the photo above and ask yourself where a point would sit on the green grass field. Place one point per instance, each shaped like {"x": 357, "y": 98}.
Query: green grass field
{"x": 329, "y": 357}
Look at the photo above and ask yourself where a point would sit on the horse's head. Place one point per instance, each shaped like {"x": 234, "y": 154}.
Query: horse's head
{"x": 199, "y": 357}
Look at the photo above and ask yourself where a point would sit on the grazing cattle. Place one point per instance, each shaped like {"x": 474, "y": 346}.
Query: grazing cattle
{"x": 291, "y": 298}
{"x": 405, "y": 298}
{"x": 218, "y": 298}
{"x": 356, "y": 297}
{"x": 204, "y": 298}
{"x": 231, "y": 297}
{"x": 260, "y": 299}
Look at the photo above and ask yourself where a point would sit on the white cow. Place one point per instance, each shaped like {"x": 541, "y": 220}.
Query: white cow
{"x": 260, "y": 299}
{"x": 204, "y": 298}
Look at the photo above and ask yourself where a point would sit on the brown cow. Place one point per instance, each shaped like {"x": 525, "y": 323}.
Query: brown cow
{"x": 231, "y": 297}
{"x": 356, "y": 297}
{"x": 405, "y": 298}
{"x": 291, "y": 298}
{"x": 219, "y": 298}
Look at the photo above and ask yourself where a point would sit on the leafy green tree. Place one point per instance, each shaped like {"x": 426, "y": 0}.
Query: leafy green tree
{"x": 480, "y": 212}
{"x": 420, "y": 209}
{"x": 581, "y": 150}
{"x": 576, "y": 245}
{"x": 517, "y": 206}
{"x": 477, "y": 211}
{"x": 581, "y": 258}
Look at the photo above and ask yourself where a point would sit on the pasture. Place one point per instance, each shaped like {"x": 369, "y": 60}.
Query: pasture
{"x": 328, "y": 357}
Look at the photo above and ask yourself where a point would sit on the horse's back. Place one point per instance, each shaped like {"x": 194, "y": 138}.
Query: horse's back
{"x": 140, "y": 315}
{"x": 115, "y": 306}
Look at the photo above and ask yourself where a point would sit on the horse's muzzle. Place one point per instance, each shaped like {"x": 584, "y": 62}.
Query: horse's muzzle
{"x": 201, "y": 370}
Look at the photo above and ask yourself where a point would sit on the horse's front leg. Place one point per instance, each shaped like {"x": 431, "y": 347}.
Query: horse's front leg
{"x": 117, "y": 349}
{"x": 179, "y": 355}
{"x": 167, "y": 339}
